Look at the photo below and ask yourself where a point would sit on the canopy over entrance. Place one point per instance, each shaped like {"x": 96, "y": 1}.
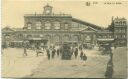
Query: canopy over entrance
{"x": 38, "y": 41}
{"x": 105, "y": 41}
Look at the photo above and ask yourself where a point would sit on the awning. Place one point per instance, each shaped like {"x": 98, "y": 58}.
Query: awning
{"x": 70, "y": 42}
{"x": 18, "y": 41}
{"x": 37, "y": 39}
{"x": 111, "y": 39}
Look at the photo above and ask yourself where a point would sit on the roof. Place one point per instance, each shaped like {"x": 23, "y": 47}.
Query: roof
{"x": 47, "y": 6}
{"x": 51, "y": 15}
{"x": 119, "y": 19}
{"x": 87, "y": 23}
{"x": 7, "y": 29}
{"x": 104, "y": 31}
{"x": 17, "y": 29}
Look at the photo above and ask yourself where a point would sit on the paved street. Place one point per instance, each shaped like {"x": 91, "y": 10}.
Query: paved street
{"x": 15, "y": 65}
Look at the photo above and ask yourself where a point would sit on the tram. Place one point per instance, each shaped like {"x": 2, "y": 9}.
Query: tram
{"x": 105, "y": 45}
{"x": 66, "y": 51}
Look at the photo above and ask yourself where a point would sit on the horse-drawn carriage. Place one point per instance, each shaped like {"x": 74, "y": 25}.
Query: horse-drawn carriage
{"x": 40, "y": 50}
{"x": 105, "y": 45}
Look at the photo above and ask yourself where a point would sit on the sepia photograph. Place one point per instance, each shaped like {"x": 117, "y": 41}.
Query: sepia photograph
{"x": 64, "y": 39}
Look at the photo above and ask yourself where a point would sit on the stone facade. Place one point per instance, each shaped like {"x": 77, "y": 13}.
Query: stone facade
{"x": 60, "y": 28}
{"x": 119, "y": 29}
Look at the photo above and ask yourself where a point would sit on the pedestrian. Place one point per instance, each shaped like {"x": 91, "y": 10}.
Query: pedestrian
{"x": 53, "y": 52}
{"x": 84, "y": 57}
{"x": 81, "y": 54}
{"x": 25, "y": 52}
{"x": 115, "y": 46}
{"x": 61, "y": 50}
{"x": 58, "y": 52}
{"x": 71, "y": 51}
{"x": 38, "y": 50}
{"x": 80, "y": 47}
{"x": 48, "y": 53}
{"x": 76, "y": 53}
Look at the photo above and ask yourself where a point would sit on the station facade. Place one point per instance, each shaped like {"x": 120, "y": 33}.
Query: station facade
{"x": 60, "y": 28}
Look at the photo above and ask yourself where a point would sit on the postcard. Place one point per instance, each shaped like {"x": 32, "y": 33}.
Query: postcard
{"x": 64, "y": 39}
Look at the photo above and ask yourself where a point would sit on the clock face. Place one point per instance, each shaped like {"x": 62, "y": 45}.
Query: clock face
{"x": 47, "y": 11}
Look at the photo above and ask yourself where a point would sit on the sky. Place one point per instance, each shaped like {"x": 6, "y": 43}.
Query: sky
{"x": 13, "y": 11}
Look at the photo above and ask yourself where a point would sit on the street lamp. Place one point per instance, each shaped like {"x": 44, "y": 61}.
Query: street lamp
{"x": 109, "y": 70}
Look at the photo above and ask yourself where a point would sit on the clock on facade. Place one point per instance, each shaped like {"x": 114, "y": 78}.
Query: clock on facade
{"x": 47, "y": 11}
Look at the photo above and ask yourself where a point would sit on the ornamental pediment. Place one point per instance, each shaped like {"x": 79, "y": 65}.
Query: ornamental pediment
{"x": 7, "y": 29}
{"x": 89, "y": 29}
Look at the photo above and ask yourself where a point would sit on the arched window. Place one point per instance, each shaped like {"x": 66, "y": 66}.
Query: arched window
{"x": 88, "y": 38}
{"x": 7, "y": 36}
{"x": 38, "y": 25}
{"x": 47, "y": 37}
{"x": 66, "y": 25}
{"x": 124, "y": 36}
{"x": 75, "y": 38}
{"x": 47, "y": 25}
{"x": 56, "y": 25}
{"x": 29, "y": 25}
{"x": 29, "y": 36}
{"x": 120, "y": 23}
{"x": 124, "y": 23}
{"x": 66, "y": 38}
{"x": 20, "y": 36}
{"x": 41, "y": 35}
{"x": 75, "y": 25}
{"x": 56, "y": 38}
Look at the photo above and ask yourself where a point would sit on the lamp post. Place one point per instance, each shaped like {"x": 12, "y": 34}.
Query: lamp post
{"x": 109, "y": 69}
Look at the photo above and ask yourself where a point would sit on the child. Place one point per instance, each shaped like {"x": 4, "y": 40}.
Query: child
{"x": 84, "y": 57}
{"x": 81, "y": 55}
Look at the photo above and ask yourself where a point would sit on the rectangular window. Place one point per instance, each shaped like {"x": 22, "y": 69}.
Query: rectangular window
{"x": 29, "y": 27}
{"x": 75, "y": 25}
{"x": 47, "y": 27}
{"x": 38, "y": 27}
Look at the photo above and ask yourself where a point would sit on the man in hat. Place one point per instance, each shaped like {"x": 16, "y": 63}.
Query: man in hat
{"x": 48, "y": 53}
{"x": 84, "y": 57}
{"x": 53, "y": 52}
{"x": 81, "y": 54}
{"x": 76, "y": 53}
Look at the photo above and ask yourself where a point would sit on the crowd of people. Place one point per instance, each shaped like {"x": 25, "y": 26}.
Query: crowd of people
{"x": 52, "y": 51}
{"x": 56, "y": 50}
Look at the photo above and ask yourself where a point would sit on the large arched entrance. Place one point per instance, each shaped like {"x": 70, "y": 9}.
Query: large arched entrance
{"x": 48, "y": 37}
{"x": 66, "y": 38}
{"x": 56, "y": 39}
